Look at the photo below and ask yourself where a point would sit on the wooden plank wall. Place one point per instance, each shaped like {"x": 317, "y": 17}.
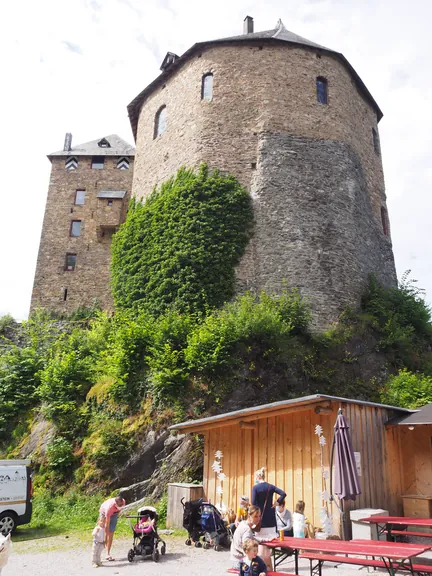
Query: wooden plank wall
{"x": 415, "y": 454}
{"x": 288, "y": 448}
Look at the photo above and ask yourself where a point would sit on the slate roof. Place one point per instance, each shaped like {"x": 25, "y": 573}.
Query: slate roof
{"x": 274, "y": 406}
{"x": 118, "y": 147}
{"x": 422, "y": 416}
{"x": 278, "y": 34}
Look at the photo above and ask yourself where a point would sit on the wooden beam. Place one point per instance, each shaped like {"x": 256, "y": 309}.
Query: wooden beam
{"x": 278, "y": 411}
{"x": 247, "y": 425}
{"x": 323, "y": 410}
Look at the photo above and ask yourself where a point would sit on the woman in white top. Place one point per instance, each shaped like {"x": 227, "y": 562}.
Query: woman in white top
{"x": 283, "y": 519}
{"x": 245, "y": 530}
{"x": 299, "y": 520}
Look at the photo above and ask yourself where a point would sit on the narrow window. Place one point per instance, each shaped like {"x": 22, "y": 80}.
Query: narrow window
{"x": 384, "y": 221}
{"x": 123, "y": 163}
{"x": 110, "y": 203}
{"x": 71, "y": 163}
{"x": 376, "y": 142}
{"x": 160, "y": 122}
{"x": 322, "y": 90}
{"x": 75, "y": 228}
{"x": 64, "y": 294}
{"x": 79, "y": 197}
{"x": 70, "y": 262}
{"x": 207, "y": 87}
{"x": 98, "y": 162}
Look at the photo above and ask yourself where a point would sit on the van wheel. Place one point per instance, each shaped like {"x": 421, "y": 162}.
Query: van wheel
{"x": 7, "y": 523}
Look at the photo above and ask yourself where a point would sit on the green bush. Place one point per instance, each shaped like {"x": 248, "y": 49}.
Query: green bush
{"x": 178, "y": 249}
{"x": 6, "y": 321}
{"x": 60, "y": 455}
{"x": 407, "y": 390}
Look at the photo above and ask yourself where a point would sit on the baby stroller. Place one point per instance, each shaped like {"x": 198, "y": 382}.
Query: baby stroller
{"x": 203, "y": 520}
{"x": 146, "y": 539}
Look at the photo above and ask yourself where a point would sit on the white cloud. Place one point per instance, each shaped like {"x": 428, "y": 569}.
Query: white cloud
{"x": 74, "y": 66}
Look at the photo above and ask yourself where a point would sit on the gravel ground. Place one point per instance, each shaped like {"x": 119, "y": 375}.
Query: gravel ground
{"x": 60, "y": 556}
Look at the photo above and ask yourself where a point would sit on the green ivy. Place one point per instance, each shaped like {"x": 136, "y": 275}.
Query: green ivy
{"x": 179, "y": 247}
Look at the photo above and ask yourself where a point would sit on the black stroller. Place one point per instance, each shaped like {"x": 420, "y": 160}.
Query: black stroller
{"x": 203, "y": 520}
{"x": 146, "y": 539}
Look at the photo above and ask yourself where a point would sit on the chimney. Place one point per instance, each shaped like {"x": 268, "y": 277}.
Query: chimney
{"x": 67, "y": 142}
{"x": 248, "y": 25}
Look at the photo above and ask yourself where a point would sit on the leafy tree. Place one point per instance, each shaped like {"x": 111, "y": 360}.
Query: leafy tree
{"x": 408, "y": 390}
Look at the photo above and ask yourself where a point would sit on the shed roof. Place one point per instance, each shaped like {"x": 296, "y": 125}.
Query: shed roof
{"x": 117, "y": 147}
{"x": 276, "y": 35}
{"x": 274, "y": 407}
{"x": 422, "y": 416}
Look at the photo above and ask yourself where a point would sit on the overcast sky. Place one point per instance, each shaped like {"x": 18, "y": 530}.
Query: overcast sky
{"x": 73, "y": 66}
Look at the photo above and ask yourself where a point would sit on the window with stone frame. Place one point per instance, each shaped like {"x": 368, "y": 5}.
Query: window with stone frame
{"x": 70, "y": 263}
{"x": 98, "y": 162}
{"x": 385, "y": 221}
{"x": 207, "y": 87}
{"x": 79, "y": 197}
{"x": 160, "y": 125}
{"x": 75, "y": 229}
{"x": 376, "y": 142}
{"x": 322, "y": 90}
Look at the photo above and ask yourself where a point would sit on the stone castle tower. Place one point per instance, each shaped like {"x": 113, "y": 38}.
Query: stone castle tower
{"x": 291, "y": 119}
{"x": 296, "y": 125}
{"x": 89, "y": 190}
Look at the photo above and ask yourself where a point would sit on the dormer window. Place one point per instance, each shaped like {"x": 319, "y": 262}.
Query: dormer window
{"x": 169, "y": 59}
{"x": 160, "y": 122}
{"x": 207, "y": 86}
{"x": 322, "y": 90}
{"x": 98, "y": 162}
{"x": 104, "y": 143}
{"x": 123, "y": 163}
{"x": 71, "y": 163}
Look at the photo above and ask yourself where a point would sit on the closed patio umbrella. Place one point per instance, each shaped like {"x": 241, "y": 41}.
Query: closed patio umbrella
{"x": 346, "y": 480}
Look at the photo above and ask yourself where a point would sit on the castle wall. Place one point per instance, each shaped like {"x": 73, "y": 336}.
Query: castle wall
{"x": 91, "y": 278}
{"x": 331, "y": 179}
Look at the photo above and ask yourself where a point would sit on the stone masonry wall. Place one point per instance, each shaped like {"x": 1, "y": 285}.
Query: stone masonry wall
{"x": 264, "y": 99}
{"x": 91, "y": 278}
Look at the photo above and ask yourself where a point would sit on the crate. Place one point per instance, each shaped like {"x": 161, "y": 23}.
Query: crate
{"x": 177, "y": 491}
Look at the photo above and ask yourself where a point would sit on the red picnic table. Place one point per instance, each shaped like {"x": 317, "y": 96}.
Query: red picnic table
{"x": 385, "y": 525}
{"x": 393, "y": 556}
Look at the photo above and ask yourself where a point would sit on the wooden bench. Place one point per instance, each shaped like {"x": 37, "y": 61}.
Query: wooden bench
{"x": 234, "y": 571}
{"x": 410, "y": 533}
{"x": 340, "y": 559}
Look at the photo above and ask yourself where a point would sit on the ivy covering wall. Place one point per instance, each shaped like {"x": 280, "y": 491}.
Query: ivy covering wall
{"x": 178, "y": 248}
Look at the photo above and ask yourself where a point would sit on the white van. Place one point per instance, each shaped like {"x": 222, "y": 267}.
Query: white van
{"x": 16, "y": 493}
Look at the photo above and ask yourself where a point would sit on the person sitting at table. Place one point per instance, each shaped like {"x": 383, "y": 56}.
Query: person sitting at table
{"x": 283, "y": 519}
{"x": 243, "y": 532}
{"x": 262, "y": 496}
{"x": 299, "y": 520}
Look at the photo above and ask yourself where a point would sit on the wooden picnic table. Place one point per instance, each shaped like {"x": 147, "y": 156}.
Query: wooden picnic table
{"x": 385, "y": 524}
{"x": 395, "y": 556}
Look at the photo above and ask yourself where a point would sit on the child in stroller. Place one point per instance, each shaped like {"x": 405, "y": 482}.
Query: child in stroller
{"x": 202, "y": 519}
{"x": 146, "y": 539}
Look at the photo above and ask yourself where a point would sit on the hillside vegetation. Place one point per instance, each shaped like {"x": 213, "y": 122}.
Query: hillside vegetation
{"x": 179, "y": 346}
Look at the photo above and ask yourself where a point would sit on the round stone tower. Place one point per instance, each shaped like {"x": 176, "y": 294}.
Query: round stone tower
{"x": 295, "y": 124}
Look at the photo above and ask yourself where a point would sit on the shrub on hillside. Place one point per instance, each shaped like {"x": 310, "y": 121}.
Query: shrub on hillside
{"x": 407, "y": 390}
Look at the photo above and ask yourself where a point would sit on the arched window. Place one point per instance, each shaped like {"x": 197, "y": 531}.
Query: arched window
{"x": 322, "y": 90}
{"x": 384, "y": 221}
{"x": 160, "y": 121}
{"x": 376, "y": 142}
{"x": 207, "y": 87}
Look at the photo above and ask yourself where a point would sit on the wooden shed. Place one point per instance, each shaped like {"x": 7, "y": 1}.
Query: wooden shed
{"x": 281, "y": 437}
{"x": 409, "y": 441}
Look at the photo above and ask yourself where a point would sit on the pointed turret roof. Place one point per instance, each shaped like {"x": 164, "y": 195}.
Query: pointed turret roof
{"x": 111, "y": 145}
{"x": 277, "y": 34}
